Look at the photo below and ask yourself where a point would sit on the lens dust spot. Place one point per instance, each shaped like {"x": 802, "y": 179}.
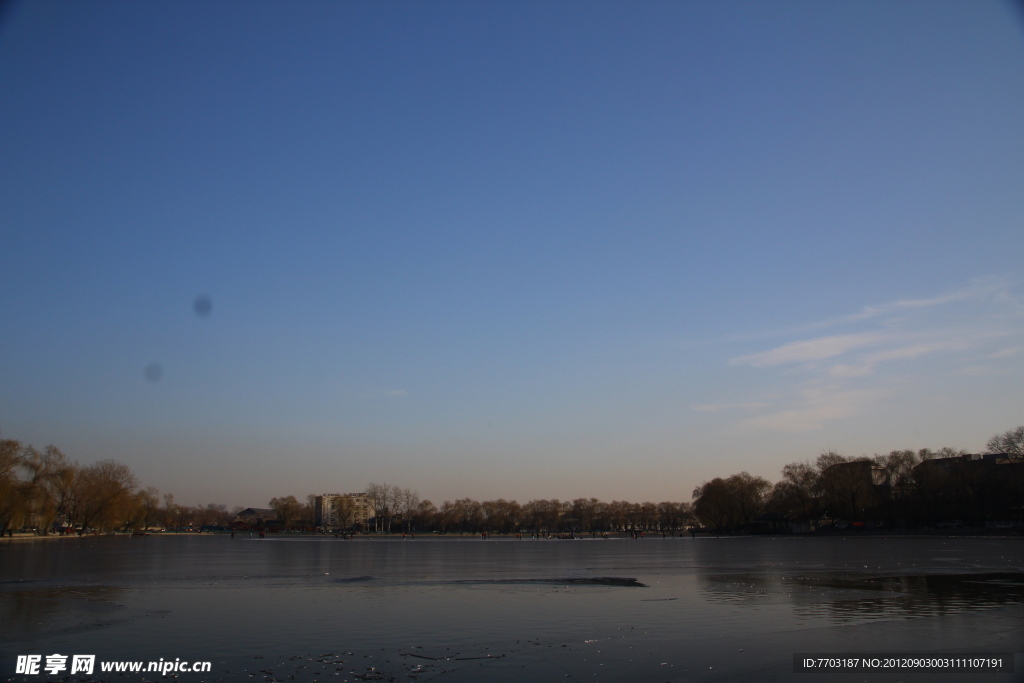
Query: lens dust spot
{"x": 153, "y": 372}
{"x": 202, "y": 306}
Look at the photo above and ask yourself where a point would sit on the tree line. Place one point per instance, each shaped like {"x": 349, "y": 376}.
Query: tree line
{"x": 900, "y": 488}
{"x": 44, "y": 490}
{"x": 582, "y": 515}
{"x": 397, "y": 509}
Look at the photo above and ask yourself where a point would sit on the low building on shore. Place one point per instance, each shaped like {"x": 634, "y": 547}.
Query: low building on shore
{"x": 256, "y": 518}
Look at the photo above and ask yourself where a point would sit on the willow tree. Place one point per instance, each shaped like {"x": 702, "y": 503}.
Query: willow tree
{"x": 106, "y": 494}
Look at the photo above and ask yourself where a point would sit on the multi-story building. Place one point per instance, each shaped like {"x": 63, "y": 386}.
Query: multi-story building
{"x": 342, "y": 510}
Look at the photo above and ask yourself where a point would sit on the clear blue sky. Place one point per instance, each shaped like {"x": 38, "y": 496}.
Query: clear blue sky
{"x": 517, "y": 249}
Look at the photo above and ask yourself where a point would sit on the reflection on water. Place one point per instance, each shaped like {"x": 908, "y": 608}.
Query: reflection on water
{"x": 30, "y": 609}
{"x": 846, "y": 597}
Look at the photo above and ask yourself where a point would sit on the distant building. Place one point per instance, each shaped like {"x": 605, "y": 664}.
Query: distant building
{"x": 972, "y": 488}
{"x": 977, "y": 461}
{"x": 342, "y": 510}
{"x": 256, "y": 517}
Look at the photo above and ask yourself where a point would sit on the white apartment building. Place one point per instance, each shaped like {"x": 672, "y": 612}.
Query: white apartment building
{"x": 342, "y": 510}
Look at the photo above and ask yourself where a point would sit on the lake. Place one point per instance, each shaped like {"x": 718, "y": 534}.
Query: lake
{"x": 465, "y": 609}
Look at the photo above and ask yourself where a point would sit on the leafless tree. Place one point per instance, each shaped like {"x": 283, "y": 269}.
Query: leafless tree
{"x": 409, "y": 502}
{"x": 106, "y": 492}
{"x": 378, "y": 495}
{"x": 60, "y": 488}
{"x": 344, "y": 510}
{"x": 583, "y": 512}
{"x": 798, "y": 494}
{"x": 288, "y": 509}
{"x": 13, "y": 503}
{"x": 733, "y": 502}
{"x": 394, "y": 498}
{"x": 426, "y": 515}
{"x": 170, "y": 512}
{"x": 1011, "y": 443}
{"x": 149, "y": 502}
{"x": 849, "y": 490}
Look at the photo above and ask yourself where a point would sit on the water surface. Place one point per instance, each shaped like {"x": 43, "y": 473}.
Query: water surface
{"x": 454, "y": 609}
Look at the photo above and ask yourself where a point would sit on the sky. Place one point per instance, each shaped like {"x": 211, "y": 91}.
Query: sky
{"x": 507, "y": 249}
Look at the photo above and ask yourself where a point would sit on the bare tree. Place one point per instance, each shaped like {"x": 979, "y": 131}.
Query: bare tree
{"x": 1011, "y": 443}
{"x": 395, "y": 500}
{"x": 149, "y": 502}
{"x": 170, "y": 511}
{"x": 900, "y": 466}
{"x": 106, "y": 493}
{"x": 799, "y": 492}
{"x": 38, "y": 469}
{"x": 829, "y": 458}
{"x": 849, "y": 489}
{"x": 426, "y": 515}
{"x": 288, "y": 510}
{"x": 730, "y": 503}
{"x": 583, "y": 510}
{"x": 344, "y": 511}
{"x": 751, "y": 493}
{"x": 503, "y": 516}
{"x": 410, "y": 501}
{"x": 672, "y": 516}
{"x": 713, "y": 505}
{"x": 378, "y": 495}
{"x": 59, "y": 500}
{"x": 13, "y": 502}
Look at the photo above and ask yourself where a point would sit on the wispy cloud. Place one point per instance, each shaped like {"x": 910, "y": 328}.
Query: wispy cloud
{"x": 980, "y": 289}
{"x": 807, "y": 350}
{"x": 831, "y": 376}
{"x": 869, "y": 362}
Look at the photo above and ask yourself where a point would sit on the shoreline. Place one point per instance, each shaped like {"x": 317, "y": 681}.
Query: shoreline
{"x": 936, "y": 533}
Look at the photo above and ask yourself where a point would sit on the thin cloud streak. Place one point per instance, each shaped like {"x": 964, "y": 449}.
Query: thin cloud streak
{"x": 995, "y": 289}
{"x": 868, "y": 364}
{"x": 807, "y": 350}
{"x": 835, "y": 371}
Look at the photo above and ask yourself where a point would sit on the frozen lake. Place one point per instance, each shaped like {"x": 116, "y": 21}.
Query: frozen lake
{"x": 464, "y": 609}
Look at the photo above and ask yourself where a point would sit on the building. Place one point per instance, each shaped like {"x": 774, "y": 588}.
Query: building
{"x": 971, "y": 489}
{"x": 342, "y": 510}
{"x": 256, "y": 518}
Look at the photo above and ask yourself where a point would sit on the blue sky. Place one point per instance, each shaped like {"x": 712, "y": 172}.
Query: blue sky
{"x": 507, "y": 249}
